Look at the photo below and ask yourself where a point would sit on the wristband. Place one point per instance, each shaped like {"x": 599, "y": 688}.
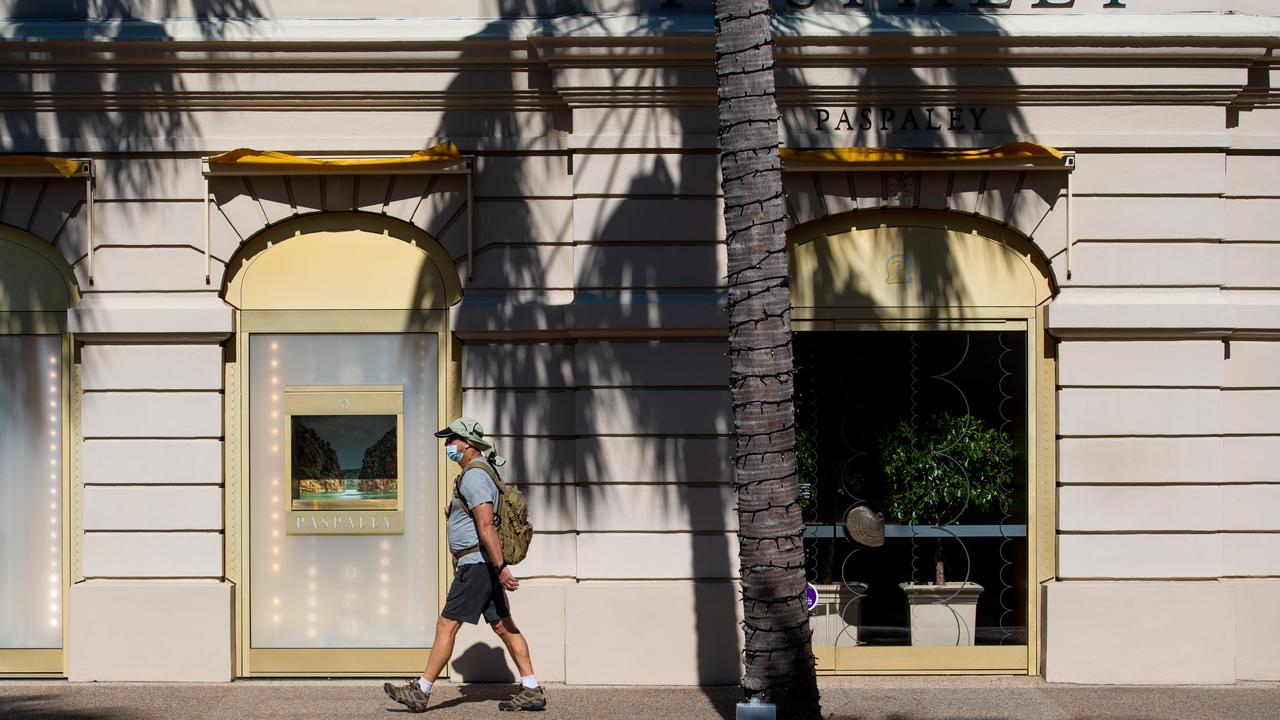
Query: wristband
{"x": 497, "y": 570}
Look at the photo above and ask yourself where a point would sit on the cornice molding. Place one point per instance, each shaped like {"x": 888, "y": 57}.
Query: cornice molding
{"x": 498, "y": 99}
{"x": 678, "y": 49}
{"x": 280, "y": 31}
{"x": 848, "y": 28}
{"x": 566, "y": 95}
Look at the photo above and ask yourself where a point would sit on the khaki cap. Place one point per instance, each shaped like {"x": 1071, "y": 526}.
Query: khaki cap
{"x": 468, "y": 429}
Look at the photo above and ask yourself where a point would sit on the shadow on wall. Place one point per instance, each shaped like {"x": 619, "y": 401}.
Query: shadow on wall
{"x": 882, "y": 90}
{"x": 83, "y": 103}
{"x": 509, "y": 248}
{"x": 890, "y": 93}
{"x": 56, "y": 106}
{"x": 651, "y": 257}
{"x": 673, "y": 395}
{"x": 621, "y": 412}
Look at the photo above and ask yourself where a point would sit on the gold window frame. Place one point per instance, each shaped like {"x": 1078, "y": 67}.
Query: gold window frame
{"x": 378, "y": 310}
{"x": 1041, "y": 411}
{"x": 49, "y": 317}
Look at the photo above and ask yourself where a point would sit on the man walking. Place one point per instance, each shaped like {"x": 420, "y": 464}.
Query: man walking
{"x": 482, "y": 577}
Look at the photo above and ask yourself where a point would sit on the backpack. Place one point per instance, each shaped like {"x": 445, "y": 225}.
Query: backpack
{"x": 510, "y": 518}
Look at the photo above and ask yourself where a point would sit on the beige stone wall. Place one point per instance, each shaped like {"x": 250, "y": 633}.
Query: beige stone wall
{"x": 592, "y": 323}
{"x": 152, "y": 519}
{"x": 151, "y": 630}
{"x": 145, "y": 406}
{"x": 620, "y": 443}
{"x": 1167, "y": 479}
{"x": 1166, "y": 442}
{"x": 1183, "y": 454}
{"x": 622, "y": 449}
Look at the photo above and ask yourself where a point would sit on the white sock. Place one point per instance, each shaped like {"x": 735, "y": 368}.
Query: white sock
{"x": 529, "y": 681}
{"x": 425, "y": 684}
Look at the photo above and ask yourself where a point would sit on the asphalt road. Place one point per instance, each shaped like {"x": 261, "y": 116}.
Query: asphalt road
{"x": 967, "y": 698}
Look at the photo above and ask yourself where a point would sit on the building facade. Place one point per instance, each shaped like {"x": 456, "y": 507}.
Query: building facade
{"x": 220, "y": 369}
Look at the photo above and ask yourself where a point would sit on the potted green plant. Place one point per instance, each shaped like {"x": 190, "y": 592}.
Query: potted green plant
{"x": 935, "y": 472}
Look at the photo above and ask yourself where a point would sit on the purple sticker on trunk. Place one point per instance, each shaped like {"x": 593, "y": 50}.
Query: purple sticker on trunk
{"x": 810, "y": 596}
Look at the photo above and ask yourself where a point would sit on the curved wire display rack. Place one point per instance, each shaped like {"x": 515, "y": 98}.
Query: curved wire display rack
{"x": 851, "y": 387}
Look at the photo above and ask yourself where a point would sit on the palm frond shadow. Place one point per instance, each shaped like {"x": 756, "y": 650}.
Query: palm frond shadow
{"x": 50, "y": 707}
{"x": 631, "y": 271}
{"x": 603, "y": 391}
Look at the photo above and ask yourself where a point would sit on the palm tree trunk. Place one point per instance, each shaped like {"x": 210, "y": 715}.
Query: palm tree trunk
{"x": 778, "y": 658}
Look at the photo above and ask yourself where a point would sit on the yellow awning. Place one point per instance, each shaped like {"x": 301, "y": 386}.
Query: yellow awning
{"x": 39, "y": 165}
{"x": 445, "y": 152}
{"x": 1019, "y": 154}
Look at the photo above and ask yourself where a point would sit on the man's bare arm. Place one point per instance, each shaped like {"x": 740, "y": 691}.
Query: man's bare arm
{"x": 483, "y": 514}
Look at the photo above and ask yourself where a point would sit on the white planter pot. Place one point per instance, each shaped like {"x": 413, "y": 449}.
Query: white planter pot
{"x": 942, "y": 614}
{"x": 836, "y": 617}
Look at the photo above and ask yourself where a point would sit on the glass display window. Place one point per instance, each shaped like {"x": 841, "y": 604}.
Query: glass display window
{"x": 343, "y": 556}
{"x": 927, "y": 430}
{"x": 31, "y": 527}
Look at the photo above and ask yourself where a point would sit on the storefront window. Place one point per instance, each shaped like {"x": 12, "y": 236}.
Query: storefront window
{"x": 31, "y": 485}
{"x": 927, "y": 429}
{"x": 344, "y": 512}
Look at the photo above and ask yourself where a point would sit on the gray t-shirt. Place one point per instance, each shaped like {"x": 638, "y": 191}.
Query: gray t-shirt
{"x": 477, "y": 488}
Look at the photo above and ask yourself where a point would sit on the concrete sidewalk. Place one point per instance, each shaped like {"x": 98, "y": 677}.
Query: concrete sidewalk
{"x": 873, "y": 698}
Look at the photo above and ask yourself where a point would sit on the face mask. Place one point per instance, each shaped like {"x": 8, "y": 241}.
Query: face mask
{"x": 453, "y": 452}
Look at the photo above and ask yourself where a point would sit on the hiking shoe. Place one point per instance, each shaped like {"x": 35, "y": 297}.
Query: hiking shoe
{"x": 409, "y": 695}
{"x": 526, "y": 699}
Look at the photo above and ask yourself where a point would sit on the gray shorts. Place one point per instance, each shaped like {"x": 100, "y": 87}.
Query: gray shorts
{"x": 475, "y": 591}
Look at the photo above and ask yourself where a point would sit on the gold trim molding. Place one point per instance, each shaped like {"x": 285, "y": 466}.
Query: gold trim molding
{"x": 1020, "y": 308}
{"x": 397, "y": 303}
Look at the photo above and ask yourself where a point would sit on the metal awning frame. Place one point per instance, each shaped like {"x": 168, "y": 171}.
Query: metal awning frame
{"x": 1067, "y": 165}
{"x": 464, "y": 166}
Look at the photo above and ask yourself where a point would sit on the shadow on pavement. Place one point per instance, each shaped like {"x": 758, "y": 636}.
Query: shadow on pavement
{"x": 724, "y": 699}
{"x": 900, "y": 716}
{"x": 479, "y": 693}
{"x": 45, "y": 707}
{"x": 482, "y": 663}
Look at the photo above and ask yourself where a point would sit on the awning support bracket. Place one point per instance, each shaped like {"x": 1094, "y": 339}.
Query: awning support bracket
{"x": 90, "y": 250}
{"x": 208, "y": 263}
{"x": 1070, "y": 237}
{"x": 471, "y": 248}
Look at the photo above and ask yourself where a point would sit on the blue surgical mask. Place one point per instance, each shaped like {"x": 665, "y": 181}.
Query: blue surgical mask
{"x": 453, "y": 452}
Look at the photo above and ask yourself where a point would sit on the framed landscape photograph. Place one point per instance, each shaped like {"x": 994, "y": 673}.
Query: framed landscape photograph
{"x": 344, "y": 459}
{"x": 344, "y": 462}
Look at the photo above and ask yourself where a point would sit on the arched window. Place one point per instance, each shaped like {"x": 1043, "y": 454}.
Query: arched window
{"x": 336, "y": 380}
{"x": 924, "y": 394}
{"x": 36, "y": 289}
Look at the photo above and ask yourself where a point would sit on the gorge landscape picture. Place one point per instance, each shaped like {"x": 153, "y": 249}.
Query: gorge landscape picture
{"x": 344, "y": 462}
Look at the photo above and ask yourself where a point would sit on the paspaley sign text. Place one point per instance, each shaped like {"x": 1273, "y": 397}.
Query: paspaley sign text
{"x": 900, "y": 119}
{"x": 361, "y": 522}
